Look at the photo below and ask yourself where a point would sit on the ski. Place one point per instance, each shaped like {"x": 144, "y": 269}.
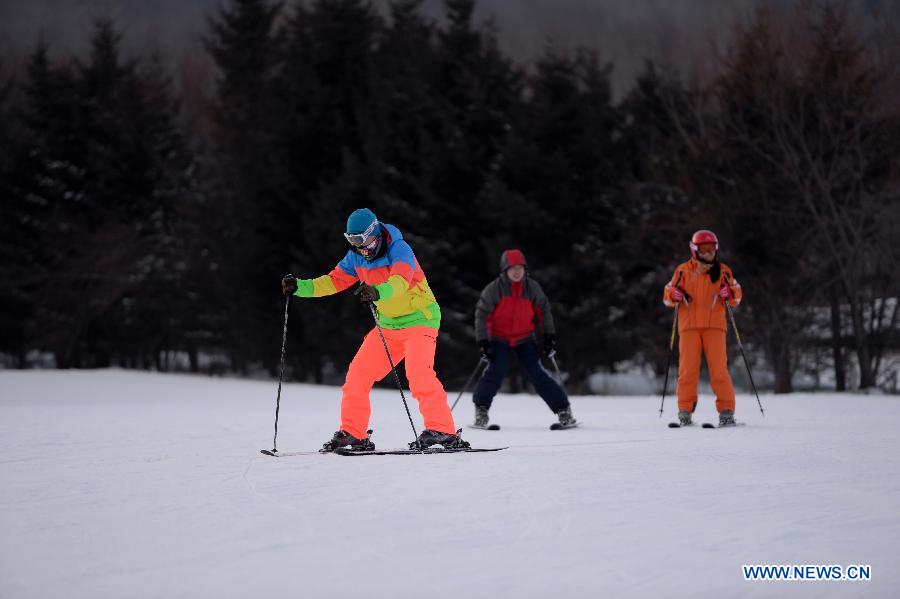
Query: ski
{"x": 490, "y": 427}
{"x": 557, "y": 426}
{"x": 711, "y": 425}
{"x": 679, "y": 425}
{"x": 284, "y": 454}
{"x": 349, "y": 452}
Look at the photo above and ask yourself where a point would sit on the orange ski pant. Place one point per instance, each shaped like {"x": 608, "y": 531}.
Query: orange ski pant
{"x": 417, "y": 345}
{"x": 711, "y": 342}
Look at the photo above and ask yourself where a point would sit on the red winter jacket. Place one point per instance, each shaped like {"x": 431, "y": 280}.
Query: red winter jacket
{"x": 508, "y": 310}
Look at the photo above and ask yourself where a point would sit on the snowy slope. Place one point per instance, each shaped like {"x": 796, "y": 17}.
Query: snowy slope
{"x": 118, "y": 484}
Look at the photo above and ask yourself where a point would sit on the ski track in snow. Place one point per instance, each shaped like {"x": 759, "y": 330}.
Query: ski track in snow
{"x": 126, "y": 484}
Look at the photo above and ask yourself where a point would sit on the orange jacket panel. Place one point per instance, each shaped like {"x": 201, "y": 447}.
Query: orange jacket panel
{"x": 702, "y": 307}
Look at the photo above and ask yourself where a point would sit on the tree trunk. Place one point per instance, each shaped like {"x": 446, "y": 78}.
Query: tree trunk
{"x": 840, "y": 369}
{"x": 63, "y": 360}
{"x": 778, "y": 352}
{"x": 783, "y": 374}
{"x": 866, "y": 376}
{"x": 318, "y": 373}
{"x": 192, "y": 358}
{"x": 885, "y": 338}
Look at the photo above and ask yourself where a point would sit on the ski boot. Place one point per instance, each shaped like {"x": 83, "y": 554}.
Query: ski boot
{"x": 343, "y": 439}
{"x": 481, "y": 417}
{"x": 726, "y": 418}
{"x": 684, "y": 418}
{"x": 445, "y": 440}
{"x": 566, "y": 420}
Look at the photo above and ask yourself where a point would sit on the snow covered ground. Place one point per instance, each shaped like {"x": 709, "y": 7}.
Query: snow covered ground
{"x": 119, "y": 484}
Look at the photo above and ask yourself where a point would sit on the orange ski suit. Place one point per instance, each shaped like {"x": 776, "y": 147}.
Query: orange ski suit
{"x": 701, "y": 330}
{"x": 417, "y": 345}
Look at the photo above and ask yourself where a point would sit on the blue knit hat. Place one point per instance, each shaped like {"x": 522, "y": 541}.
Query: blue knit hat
{"x": 360, "y": 220}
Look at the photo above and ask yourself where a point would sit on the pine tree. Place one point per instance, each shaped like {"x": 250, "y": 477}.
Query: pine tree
{"x": 98, "y": 177}
{"x": 464, "y": 127}
{"x": 48, "y": 185}
{"x": 164, "y": 308}
{"x": 17, "y": 239}
{"x": 562, "y": 177}
{"x": 246, "y": 47}
{"x": 655, "y": 215}
{"x": 325, "y": 101}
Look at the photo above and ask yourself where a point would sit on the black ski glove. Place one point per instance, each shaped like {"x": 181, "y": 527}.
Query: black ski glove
{"x": 366, "y": 293}
{"x": 486, "y": 351}
{"x": 289, "y": 285}
{"x": 549, "y": 344}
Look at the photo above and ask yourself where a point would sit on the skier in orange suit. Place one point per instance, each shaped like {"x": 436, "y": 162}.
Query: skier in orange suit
{"x": 698, "y": 290}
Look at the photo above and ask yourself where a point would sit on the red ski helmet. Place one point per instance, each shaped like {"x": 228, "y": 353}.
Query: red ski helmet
{"x": 699, "y": 238}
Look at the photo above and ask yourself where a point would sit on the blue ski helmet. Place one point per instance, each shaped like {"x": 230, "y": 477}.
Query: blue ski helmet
{"x": 360, "y": 220}
{"x": 364, "y": 233}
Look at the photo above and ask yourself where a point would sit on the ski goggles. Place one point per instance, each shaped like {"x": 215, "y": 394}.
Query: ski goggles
{"x": 365, "y": 239}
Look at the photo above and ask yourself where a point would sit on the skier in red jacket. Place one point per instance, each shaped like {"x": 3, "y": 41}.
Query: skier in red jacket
{"x": 505, "y": 322}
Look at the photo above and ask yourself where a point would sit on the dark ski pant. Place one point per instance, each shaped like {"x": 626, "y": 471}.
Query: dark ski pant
{"x": 530, "y": 361}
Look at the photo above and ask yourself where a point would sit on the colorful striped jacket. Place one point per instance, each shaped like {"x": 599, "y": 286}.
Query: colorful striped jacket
{"x": 405, "y": 301}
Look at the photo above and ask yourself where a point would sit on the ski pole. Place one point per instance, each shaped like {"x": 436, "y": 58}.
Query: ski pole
{"x": 287, "y": 303}
{"x": 394, "y": 370}
{"x": 737, "y": 336}
{"x": 481, "y": 360}
{"x": 687, "y": 299}
{"x": 669, "y": 361}
{"x": 552, "y": 356}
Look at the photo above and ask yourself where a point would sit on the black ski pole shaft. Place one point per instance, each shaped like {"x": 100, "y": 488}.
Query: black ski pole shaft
{"x": 481, "y": 360}
{"x": 671, "y": 346}
{"x": 393, "y": 369}
{"x": 737, "y": 336}
{"x": 669, "y": 361}
{"x": 287, "y": 303}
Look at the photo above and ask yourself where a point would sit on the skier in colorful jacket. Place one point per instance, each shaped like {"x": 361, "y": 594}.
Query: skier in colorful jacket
{"x": 409, "y": 317}
{"x": 698, "y": 290}
{"x": 505, "y": 322}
